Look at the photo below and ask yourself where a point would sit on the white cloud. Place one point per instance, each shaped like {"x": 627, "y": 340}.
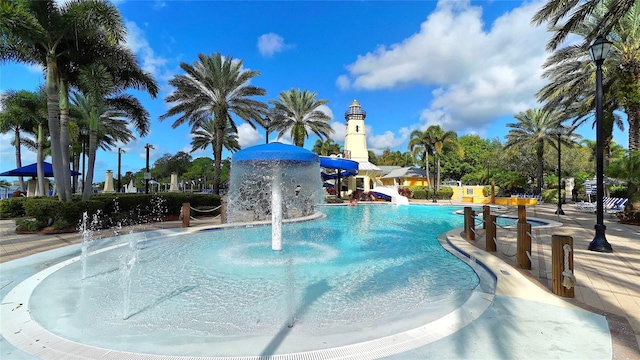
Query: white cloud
{"x": 271, "y": 43}
{"x": 339, "y": 131}
{"x": 377, "y": 143}
{"x": 481, "y": 72}
{"x": 248, "y": 136}
{"x": 137, "y": 42}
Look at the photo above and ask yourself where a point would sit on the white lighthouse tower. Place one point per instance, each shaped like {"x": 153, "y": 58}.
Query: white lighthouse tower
{"x": 355, "y": 148}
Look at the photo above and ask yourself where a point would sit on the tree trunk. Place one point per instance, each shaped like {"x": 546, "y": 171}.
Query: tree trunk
{"x": 87, "y": 187}
{"x": 18, "y": 157}
{"x": 40, "y": 159}
{"x": 217, "y": 152}
{"x": 64, "y": 140}
{"x": 426, "y": 165}
{"x": 539, "y": 169}
{"x": 53, "y": 117}
{"x": 633, "y": 117}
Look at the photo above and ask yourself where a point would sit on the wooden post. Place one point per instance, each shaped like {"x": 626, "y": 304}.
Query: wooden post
{"x": 557, "y": 264}
{"x": 522, "y": 214}
{"x": 490, "y": 234}
{"x": 486, "y": 212}
{"x": 186, "y": 214}
{"x": 523, "y": 245}
{"x": 223, "y": 212}
{"x": 471, "y": 223}
{"x": 467, "y": 211}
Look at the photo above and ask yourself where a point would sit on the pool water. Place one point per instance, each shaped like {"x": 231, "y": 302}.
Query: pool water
{"x": 367, "y": 271}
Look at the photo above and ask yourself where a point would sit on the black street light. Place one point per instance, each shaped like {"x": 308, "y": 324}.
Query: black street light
{"x": 599, "y": 50}
{"x": 120, "y": 151}
{"x": 147, "y": 175}
{"x": 559, "y": 210}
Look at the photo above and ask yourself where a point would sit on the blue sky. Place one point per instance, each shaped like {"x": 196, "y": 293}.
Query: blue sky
{"x": 468, "y": 66}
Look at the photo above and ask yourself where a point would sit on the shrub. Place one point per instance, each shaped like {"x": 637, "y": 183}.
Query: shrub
{"x": 445, "y": 192}
{"x": 405, "y": 192}
{"x": 418, "y": 192}
{"x": 486, "y": 191}
{"x": 12, "y": 207}
{"x": 333, "y": 200}
{"x": 29, "y": 225}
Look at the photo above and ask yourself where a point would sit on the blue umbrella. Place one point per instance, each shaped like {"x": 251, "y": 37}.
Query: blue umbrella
{"x": 32, "y": 170}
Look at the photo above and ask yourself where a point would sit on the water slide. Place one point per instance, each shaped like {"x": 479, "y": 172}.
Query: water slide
{"x": 345, "y": 167}
{"x": 392, "y": 194}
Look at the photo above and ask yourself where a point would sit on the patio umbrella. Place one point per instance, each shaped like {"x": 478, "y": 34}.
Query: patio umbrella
{"x": 32, "y": 170}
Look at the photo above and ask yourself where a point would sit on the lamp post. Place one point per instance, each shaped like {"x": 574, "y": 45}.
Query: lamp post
{"x": 147, "y": 175}
{"x": 559, "y": 210}
{"x": 120, "y": 151}
{"x": 599, "y": 50}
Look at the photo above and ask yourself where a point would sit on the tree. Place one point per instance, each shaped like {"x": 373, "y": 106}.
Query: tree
{"x": 326, "y": 147}
{"x": 535, "y": 127}
{"x": 45, "y": 33}
{"x": 205, "y": 135}
{"x": 420, "y": 146}
{"x": 442, "y": 141}
{"x": 218, "y": 87}
{"x": 628, "y": 168}
{"x": 570, "y": 71}
{"x": 102, "y": 87}
{"x": 297, "y": 112}
{"x": 19, "y": 114}
{"x": 563, "y": 17}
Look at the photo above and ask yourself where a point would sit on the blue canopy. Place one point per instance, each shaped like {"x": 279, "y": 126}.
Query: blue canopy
{"x": 32, "y": 170}
{"x": 275, "y": 151}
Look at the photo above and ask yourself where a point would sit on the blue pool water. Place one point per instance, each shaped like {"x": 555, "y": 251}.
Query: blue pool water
{"x": 371, "y": 270}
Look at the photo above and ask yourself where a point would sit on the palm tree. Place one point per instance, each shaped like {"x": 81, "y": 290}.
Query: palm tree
{"x": 628, "y": 169}
{"x": 564, "y": 17}
{"x": 297, "y": 112}
{"x": 571, "y": 74}
{"x": 535, "y": 127}
{"x": 420, "y": 146}
{"x": 19, "y": 114}
{"x": 45, "y": 33}
{"x": 101, "y": 90}
{"x": 218, "y": 87}
{"x": 205, "y": 135}
{"x": 326, "y": 148}
{"x": 442, "y": 141}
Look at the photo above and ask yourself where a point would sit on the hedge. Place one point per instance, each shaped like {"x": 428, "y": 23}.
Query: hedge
{"x": 112, "y": 209}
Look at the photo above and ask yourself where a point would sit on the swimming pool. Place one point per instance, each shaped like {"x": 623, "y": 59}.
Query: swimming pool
{"x": 358, "y": 274}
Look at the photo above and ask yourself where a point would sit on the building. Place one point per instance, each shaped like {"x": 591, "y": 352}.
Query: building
{"x": 355, "y": 148}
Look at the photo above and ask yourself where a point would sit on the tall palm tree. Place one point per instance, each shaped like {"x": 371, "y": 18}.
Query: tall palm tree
{"x": 326, "y": 147}
{"x": 572, "y": 83}
{"x": 19, "y": 114}
{"x": 420, "y": 146}
{"x": 215, "y": 86}
{"x": 44, "y": 32}
{"x": 297, "y": 112}
{"x": 535, "y": 127}
{"x": 563, "y": 17}
{"x": 442, "y": 141}
{"x": 205, "y": 135}
{"x": 100, "y": 87}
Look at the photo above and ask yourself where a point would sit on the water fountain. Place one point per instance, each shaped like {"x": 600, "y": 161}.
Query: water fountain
{"x": 273, "y": 179}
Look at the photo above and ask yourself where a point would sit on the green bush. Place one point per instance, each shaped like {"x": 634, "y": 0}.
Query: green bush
{"x": 486, "y": 190}
{"x": 12, "y": 207}
{"x": 419, "y": 192}
{"x": 551, "y": 195}
{"x": 333, "y": 200}
{"x": 30, "y": 224}
{"x": 444, "y": 192}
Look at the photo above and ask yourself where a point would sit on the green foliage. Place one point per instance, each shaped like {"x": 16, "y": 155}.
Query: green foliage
{"x": 551, "y": 195}
{"x": 333, "y": 200}
{"x": 12, "y": 207}
{"x": 510, "y": 181}
{"x": 30, "y": 224}
{"x": 487, "y": 190}
{"x": 419, "y": 192}
{"x": 444, "y": 192}
{"x": 475, "y": 178}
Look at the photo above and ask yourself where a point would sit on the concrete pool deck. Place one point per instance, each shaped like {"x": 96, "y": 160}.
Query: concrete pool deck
{"x": 524, "y": 312}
